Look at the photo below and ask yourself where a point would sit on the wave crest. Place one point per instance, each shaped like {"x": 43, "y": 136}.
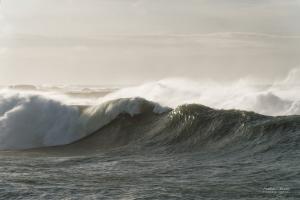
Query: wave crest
{"x": 31, "y": 121}
{"x": 28, "y": 121}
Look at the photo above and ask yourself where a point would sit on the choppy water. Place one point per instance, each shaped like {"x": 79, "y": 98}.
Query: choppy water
{"x": 197, "y": 175}
{"x": 131, "y": 148}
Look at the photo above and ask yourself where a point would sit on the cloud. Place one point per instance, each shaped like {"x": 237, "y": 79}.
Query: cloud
{"x": 5, "y": 26}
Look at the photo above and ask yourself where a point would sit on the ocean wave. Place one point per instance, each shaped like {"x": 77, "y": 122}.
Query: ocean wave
{"x": 31, "y": 120}
{"x": 194, "y": 127}
{"x": 163, "y": 112}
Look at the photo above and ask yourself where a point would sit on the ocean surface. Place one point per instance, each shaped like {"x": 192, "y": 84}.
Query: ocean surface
{"x": 171, "y": 139}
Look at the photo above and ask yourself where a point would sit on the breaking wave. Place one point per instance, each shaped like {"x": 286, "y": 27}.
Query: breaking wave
{"x": 31, "y": 121}
{"x": 159, "y": 113}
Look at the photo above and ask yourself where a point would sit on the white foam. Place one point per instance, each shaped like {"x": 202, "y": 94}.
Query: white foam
{"x": 31, "y": 120}
{"x": 28, "y": 121}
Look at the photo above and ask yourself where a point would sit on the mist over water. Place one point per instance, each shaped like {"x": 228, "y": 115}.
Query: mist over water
{"x": 278, "y": 98}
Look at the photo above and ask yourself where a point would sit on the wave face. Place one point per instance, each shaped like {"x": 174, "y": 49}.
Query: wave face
{"x": 194, "y": 127}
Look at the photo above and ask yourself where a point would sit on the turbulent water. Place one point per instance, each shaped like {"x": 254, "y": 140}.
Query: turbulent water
{"x": 155, "y": 141}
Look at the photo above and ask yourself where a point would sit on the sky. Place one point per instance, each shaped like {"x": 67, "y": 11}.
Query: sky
{"x": 94, "y": 42}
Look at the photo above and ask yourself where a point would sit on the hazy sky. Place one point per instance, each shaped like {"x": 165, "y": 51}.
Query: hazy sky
{"x": 131, "y": 41}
